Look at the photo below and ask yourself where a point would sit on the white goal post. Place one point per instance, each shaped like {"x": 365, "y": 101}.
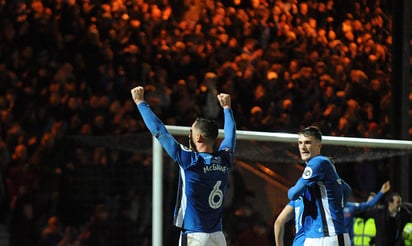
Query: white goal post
{"x": 157, "y": 190}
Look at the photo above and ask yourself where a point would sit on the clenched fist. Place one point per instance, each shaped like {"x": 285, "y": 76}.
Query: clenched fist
{"x": 138, "y": 94}
{"x": 224, "y": 100}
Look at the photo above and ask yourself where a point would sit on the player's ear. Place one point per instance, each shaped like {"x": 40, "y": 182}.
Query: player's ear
{"x": 200, "y": 138}
{"x": 195, "y": 135}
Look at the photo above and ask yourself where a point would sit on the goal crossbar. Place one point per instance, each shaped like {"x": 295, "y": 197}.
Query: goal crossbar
{"x": 292, "y": 138}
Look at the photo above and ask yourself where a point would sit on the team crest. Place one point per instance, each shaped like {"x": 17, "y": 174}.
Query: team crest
{"x": 307, "y": 173}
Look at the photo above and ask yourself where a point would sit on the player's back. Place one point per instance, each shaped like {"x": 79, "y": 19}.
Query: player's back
{"x": 203, "y": 186}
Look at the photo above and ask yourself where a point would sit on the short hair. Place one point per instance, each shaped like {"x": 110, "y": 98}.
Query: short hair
{"x": 390, "y": 197}
{"x": 312, "y": 131}
{"x": 208, "y": 128}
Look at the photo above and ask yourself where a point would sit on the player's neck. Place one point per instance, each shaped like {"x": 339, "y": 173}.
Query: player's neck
{"x": 204, "y": 148}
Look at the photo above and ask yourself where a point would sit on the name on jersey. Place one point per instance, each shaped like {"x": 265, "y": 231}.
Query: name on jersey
{"x": 215, "y": 167}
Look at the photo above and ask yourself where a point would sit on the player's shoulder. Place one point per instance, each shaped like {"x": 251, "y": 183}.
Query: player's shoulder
{"x": 187, "y": 149}
{"x": 316, "y": 161}
{"x": 321, "y": 158}
{"x": 225, "y": 150}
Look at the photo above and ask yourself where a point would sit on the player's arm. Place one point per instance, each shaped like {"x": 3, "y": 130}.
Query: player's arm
{"x": 365, "y": 205}
{"x": 308, "y": 177}
{"x": 297, "y": 190}
{"x": 285, "y": 215}
{"x": 229, "y": 129}
{"x": 155, "y": 125}
{"x": 311, "y": 174}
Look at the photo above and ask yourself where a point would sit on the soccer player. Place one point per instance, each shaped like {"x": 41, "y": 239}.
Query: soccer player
{"x": 324, "y": 192}
{"x": 293, "y": 209}
{"x": 203, "y": 171}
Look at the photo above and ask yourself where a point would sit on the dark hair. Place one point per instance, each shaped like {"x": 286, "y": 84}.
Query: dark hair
{"x": 389, "y": 197}
{"x": 311, "y": 131}
{"x": 208, "y": 128}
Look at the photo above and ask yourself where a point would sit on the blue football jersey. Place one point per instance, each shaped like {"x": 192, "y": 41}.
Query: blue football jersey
{"x": 299, "y": 238}
{"x": 325, "y": 195}
{"x": 203, "y": 177}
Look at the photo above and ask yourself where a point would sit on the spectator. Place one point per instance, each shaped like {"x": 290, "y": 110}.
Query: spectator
{"x": 52, "y": 234}
{"x": 23, "y": 230}
{"x": 352, "y": 208}
{"x": 390, "y": 220}
{"x": 99, "y": 229}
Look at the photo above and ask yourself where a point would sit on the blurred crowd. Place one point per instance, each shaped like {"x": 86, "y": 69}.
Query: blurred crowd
{"x": 67, "y": 67}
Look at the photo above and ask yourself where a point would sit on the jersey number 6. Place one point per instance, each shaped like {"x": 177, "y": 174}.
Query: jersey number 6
{"x": 216, "y": 196}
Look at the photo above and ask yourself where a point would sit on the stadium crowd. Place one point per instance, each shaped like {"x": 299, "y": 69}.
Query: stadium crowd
{"x": 67, "y": 67}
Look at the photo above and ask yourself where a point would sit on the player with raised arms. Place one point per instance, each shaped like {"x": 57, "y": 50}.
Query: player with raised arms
{"x": 203, "y": 171}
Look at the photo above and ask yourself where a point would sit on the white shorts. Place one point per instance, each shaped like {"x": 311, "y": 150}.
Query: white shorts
{"x": 339, "y": 240}
{"x": 202, "y": 239}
